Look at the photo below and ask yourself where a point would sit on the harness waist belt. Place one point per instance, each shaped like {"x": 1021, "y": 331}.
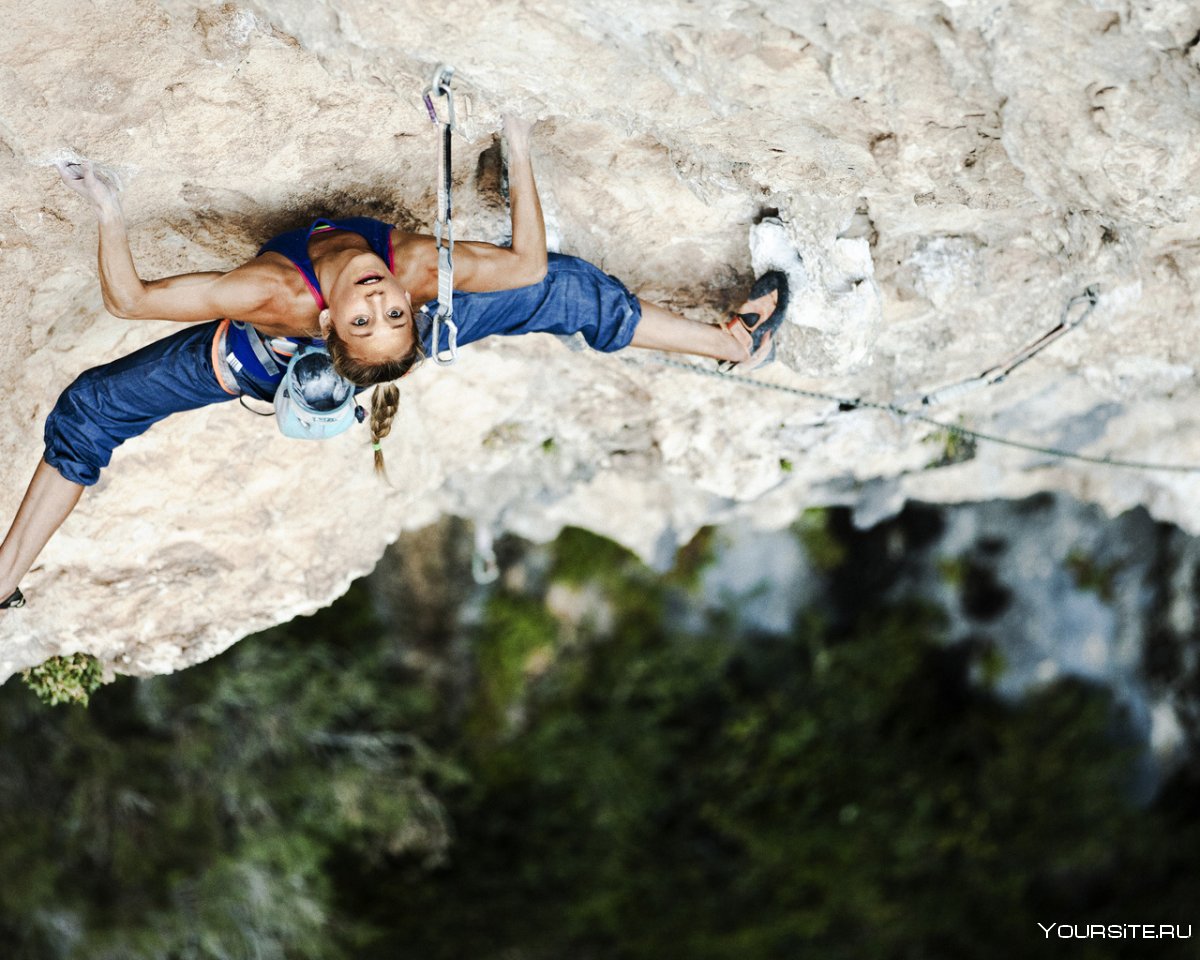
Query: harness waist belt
{"x": 250, "y": 361}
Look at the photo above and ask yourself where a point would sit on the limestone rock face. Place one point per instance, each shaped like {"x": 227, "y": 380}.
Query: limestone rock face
{"x": 937, "y": 178}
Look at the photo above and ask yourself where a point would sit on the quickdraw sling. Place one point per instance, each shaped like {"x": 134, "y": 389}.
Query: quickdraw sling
{"x": 439, "y": 86}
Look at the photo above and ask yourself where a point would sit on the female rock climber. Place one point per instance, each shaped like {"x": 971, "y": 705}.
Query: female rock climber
{"x": 359, "y": 285}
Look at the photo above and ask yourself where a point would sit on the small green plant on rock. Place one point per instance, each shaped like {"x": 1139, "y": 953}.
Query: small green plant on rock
{"x": 71, "y": 679}
{"x": 955, "y": 446}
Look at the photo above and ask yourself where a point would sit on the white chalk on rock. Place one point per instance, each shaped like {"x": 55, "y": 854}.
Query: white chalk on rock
{"x": 834, "y": 299}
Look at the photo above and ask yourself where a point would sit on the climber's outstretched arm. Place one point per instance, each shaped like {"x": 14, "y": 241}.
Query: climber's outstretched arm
{"x": 482, "y": 267}
{"x": 48, "y": 501}
{"x": 242, "y": 293}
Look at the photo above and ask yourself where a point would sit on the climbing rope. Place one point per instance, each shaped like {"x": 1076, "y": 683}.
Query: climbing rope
{"x": 439, "y": 86}
{"x": 845, "y": 404}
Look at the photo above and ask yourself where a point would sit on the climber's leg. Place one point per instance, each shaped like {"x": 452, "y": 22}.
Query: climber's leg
{"x": 745, "y": 341}
{"x": 48, "y": 501}
{"x": 100, "y": 410}
{"x": 660, "y": 329}
{"x": 112, "y": 403}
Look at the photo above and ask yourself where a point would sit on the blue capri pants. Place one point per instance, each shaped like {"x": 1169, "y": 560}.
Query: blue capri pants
{"x": 573, "y": 297}
{"x": 109, "y": 404}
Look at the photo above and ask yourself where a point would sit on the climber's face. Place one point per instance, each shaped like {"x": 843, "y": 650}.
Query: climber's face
{"x": 371, "y": 312}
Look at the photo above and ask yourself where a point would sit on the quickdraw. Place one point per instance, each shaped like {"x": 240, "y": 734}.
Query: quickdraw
{"x": 439, "y": 86}
{"x": 995, "y": 374}
{"x": 1000, "y": 371}
{"x": 484, "y": 568}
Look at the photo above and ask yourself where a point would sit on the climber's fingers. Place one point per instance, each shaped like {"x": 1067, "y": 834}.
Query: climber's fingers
{"x": 86, "y": 180}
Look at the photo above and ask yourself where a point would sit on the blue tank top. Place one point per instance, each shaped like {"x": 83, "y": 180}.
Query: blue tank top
{"x": 294, "y": 246}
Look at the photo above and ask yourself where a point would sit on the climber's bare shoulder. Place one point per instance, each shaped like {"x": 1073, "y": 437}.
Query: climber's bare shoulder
{"x": 267, "y": 292}
{"x": 415, "y": 259}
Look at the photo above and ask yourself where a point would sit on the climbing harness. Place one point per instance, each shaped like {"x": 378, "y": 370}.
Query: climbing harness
{"x": 993, "y": 375}
{"x": 439, "y": 86}
{"x": 1000, "y": 371}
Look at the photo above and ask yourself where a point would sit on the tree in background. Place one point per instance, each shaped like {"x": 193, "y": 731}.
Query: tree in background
{"x": 644, "y": 778}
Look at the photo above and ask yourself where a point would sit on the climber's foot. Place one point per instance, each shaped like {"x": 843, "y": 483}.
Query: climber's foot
{"x": 13, "y": 600}
{"x": 754, "y": 324}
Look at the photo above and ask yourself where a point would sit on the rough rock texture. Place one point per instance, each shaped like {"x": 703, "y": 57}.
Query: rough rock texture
{"x": 947, "y": 173}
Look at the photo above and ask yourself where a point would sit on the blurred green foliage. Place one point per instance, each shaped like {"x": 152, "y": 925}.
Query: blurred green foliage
{"x": 852, "y": 796}
{"x": 581, "y": 556}
{"x": 953, "y": 571}
{"x": 821, "y": 543}
{"x": 1092, "y": 576}
{"x": 196, "y": 815}
{"x": 515, "y": 628}
{"x": 336, "y": 788}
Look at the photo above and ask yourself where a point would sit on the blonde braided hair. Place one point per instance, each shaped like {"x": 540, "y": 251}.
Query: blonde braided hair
{"x": 385, "y": 400}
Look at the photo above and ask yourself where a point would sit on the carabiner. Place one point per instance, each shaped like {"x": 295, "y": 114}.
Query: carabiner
{"x": 439, "y": 319}
{"x": 484, "y": 568}
{"x": 439, "y": 86}
{"x": 1090, "y": 296}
